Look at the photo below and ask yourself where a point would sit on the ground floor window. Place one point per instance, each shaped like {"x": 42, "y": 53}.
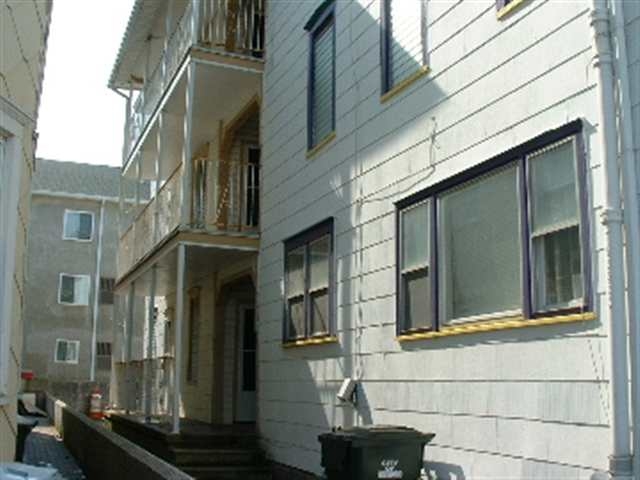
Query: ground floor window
{"x": 308, "y": 283}
{"x": 506, "y": 238}
{"x": 67, "y": 351}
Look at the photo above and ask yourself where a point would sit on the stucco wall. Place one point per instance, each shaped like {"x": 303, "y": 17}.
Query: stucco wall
{"x": 529, "y": 403}
{"x": 23, "y": 36}
{"x": 45, "y": 318}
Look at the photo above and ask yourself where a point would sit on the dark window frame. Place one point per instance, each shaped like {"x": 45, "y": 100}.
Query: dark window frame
{"x": 386, "y": 38}
{"x": 516, "y": 156}
{"x": 321, "y": 19}
{"x": 193, "y": 340}
{"x": 304, "y": 239}
{"x": 107, "y": 290}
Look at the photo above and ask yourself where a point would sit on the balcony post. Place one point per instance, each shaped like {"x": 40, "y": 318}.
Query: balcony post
{"x": 150, "y": 341}
{"x": 129, "y": 345}
{"x": 187, "y": 151}
{"x": 195, "y": 21}
{"x": 179, "y": 317}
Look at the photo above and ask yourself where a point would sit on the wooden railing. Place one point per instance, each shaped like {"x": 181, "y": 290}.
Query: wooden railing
{"x": 235, "y": 26}
{"x": 226, "y": 196}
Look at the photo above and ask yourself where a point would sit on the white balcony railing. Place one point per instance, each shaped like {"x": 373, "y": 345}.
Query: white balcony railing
{"x": 235, "y": 26}
{"x": 224, "y": 198}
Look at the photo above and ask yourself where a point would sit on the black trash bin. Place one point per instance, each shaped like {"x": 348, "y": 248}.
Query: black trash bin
{"x": 373, "y": 452}
{"x": 25, "y": 425}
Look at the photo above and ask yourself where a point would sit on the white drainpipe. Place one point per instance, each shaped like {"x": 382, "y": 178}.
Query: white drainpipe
{"x": 96, "y": 294}
{"x": 620, "y": 463}
{"x": 632, "y": 222}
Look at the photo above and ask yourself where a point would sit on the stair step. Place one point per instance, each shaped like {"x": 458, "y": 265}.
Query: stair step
{"x": 237, "y": 472}
{"x": 215, "y": 456}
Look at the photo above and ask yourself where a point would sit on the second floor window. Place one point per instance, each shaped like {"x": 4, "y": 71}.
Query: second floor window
{"x": 67, "y": 351}
{"x": 403, "y": 47}
{"x": 106, "y": 290}
{"x": 74, "y": 289}
{"x": 78, "y": 225}
{"x": 321, "y": 89}
{"x": 308, "y": 283}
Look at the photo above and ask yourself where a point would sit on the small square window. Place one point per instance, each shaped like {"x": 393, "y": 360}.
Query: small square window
{"x": 78, "y": 225}
{"x": 67, "y": 351}
{"x": 308, "y": 283}
{"x": 74, "y": 289}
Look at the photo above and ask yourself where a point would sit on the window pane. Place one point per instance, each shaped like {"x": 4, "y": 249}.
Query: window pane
{"x": 319, "y": 263}
{"x": 295, "y": 272}
{"x": 71, "y": 224}
{"x": 406, "y": 42}
{"x": 557, "y": 269}
{"x": 296, "y": 317}
{"x": 322, "y": 107}
{"x": 480, "y": 242}
{"x": 85, "y": 225}
{"x": 554, "y": 201}
{"x": 416, "y": 287}
{"x": 72, "y": 352}
{"x": 81, "y": 290}
{"x": 415, "y": 236}
{"x": 61, "y": 351}
{"x": 320, "y": 312}
{"x": 67, "y": 289}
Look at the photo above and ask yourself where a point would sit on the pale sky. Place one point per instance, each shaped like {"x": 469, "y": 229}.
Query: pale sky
{"x": 80, "y": 119}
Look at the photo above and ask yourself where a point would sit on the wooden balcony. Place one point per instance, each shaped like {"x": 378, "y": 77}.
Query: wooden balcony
{"x": 231, "y": 27}
{"x": 223, "y": 200}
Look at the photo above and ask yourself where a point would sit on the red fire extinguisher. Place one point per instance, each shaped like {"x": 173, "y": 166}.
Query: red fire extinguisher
{"x": 95, "y": 404}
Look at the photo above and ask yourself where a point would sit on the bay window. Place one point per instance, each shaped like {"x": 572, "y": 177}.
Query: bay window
{"x": 504, "y": 239}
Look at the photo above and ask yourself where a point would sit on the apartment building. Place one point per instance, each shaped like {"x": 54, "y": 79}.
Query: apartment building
{"x": 191, "y": 74}
{"x": 71, "y": 269}
{"x": 424, "y": 197}
{"x": 24, "y": 28}
{"x": 441, "y": 221}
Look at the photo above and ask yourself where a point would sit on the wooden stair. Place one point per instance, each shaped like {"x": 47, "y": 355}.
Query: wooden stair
{"x": 206, "y": 452}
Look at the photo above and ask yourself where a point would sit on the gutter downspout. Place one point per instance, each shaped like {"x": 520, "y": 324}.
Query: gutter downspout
{"x": 632, "y": 222}
{"x": 620, "y": 463}
{"x": 96, "y": 294}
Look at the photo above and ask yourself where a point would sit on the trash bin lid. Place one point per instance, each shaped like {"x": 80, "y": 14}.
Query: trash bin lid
{"x": 376, "y": 434}
{"x": 20, "y": 471}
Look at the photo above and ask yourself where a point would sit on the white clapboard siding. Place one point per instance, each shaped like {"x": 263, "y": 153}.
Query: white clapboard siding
{"x": 528, "y": 403}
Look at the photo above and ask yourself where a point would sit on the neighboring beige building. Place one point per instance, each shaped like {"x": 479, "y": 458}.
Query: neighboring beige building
{"x": 24, "y": 28}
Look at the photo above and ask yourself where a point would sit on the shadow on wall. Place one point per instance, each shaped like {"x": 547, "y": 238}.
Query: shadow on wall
{"x": 443, "y": 471}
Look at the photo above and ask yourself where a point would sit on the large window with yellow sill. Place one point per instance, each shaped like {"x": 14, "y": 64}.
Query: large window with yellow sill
{"x": 505, "y": 238}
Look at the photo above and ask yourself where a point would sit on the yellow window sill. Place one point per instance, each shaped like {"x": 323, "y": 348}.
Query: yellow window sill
{"x": 403, "y": 85}
{"x": 323, "y": 143}
{"x": 495, "y": 325}
{"x": 310, "y": 341}
{"x": 509, "y": 8}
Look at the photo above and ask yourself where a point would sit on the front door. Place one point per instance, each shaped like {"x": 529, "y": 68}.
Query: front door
{"x": 246, "y": 367}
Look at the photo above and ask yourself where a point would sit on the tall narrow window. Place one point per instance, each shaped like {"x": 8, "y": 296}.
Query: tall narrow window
{"x": 415, "y": 274}
{"x": 106, "y": 290}
{"x": 403, "y": 42}
{"x": 74, "y": 289}
{"x": 321, "y": 89}
{"x": 252, "y": 213}
{"x": 555, "y": 228}
{"x": 78, "y": 225}
{"x": 308, "y": 283}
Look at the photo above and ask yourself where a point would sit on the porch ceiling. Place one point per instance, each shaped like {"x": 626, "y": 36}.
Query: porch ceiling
{"x": 201, "y": 260}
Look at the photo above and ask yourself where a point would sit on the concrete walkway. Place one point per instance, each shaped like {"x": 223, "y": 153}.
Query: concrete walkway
{"x": 44, "y": 448}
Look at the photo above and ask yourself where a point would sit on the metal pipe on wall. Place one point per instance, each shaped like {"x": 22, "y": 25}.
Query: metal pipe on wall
{"x": 631, "y": 220}
{"x": 96, "y": 294}
{"x": 611, "y": 217}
